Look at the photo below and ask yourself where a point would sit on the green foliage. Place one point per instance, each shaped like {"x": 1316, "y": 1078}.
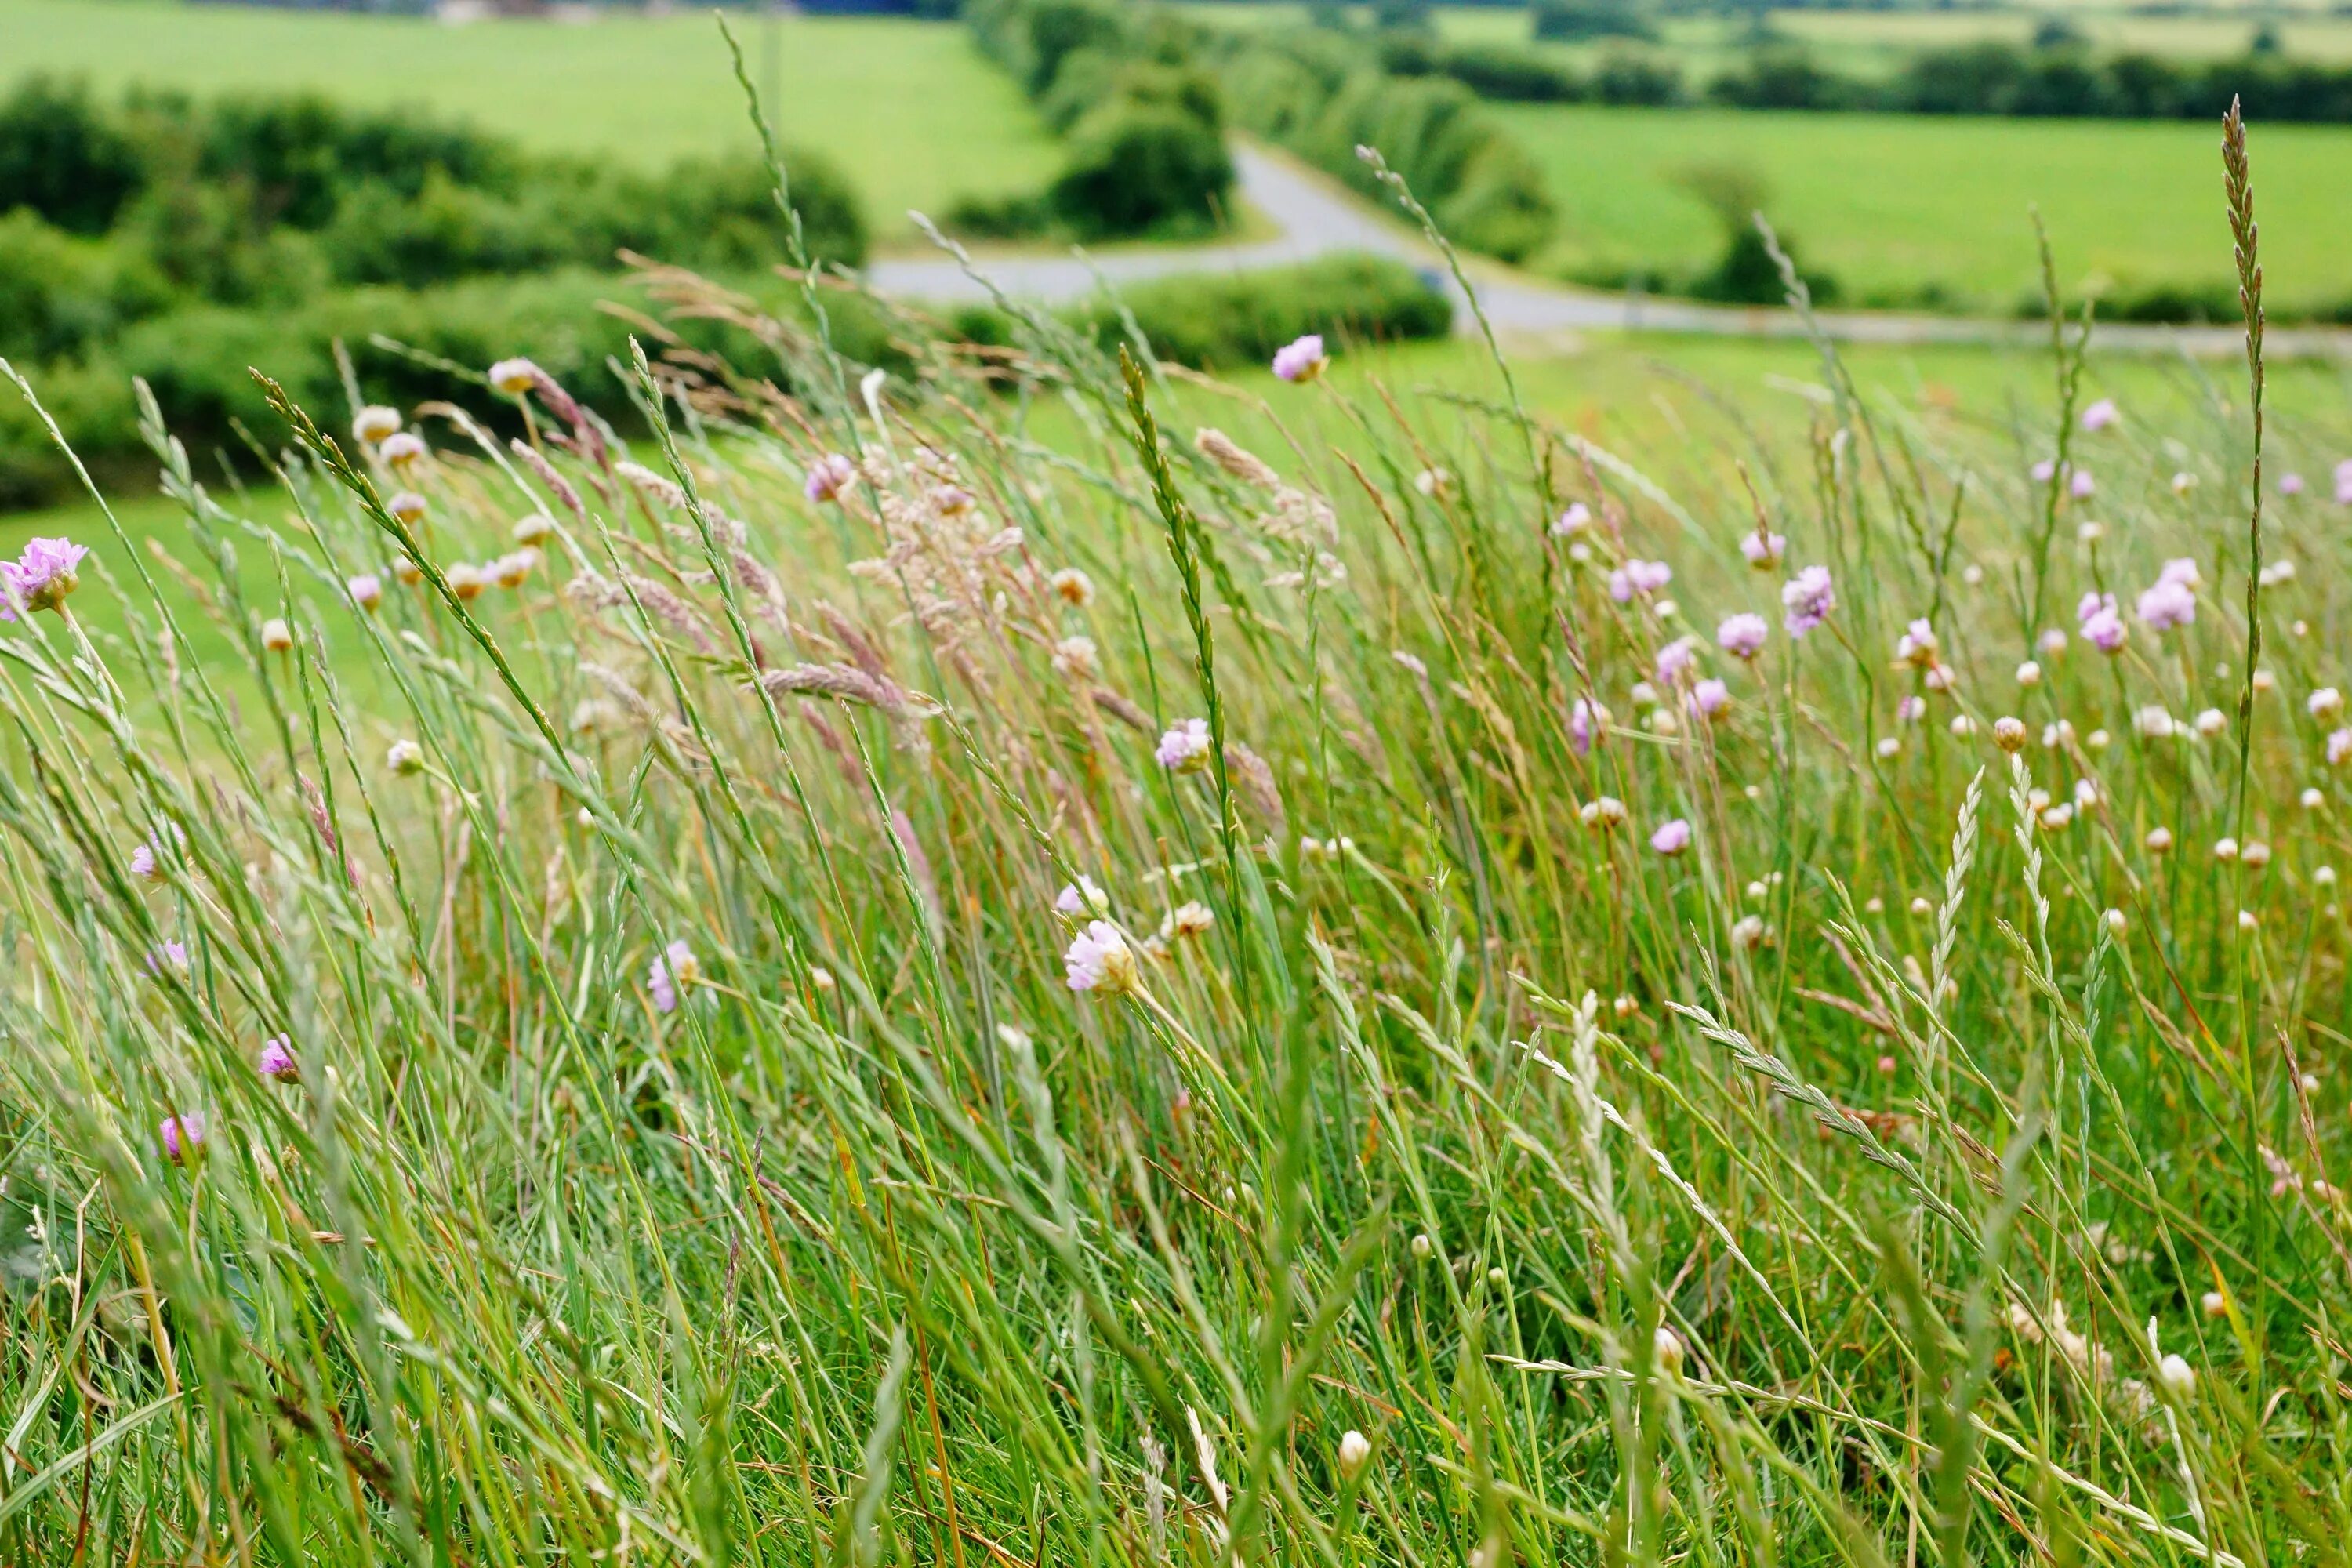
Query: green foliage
{"x": 1575, "y": 21}
{"x": 1145, "y": 128}
{"x": 64, "y": 157}
{"x": 1227, "y": 324}
{"x": 1484, "y": 190}
{"x": 60, "y": 292}
{"x": 200, "y": 362}
{"x": 1140, "y": 167}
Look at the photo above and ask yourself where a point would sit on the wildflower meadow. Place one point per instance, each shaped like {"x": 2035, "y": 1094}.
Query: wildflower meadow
{"x": 1037, "y": 958}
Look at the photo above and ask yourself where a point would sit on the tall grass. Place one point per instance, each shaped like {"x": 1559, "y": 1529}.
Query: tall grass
{"x": 696, "y": 1152}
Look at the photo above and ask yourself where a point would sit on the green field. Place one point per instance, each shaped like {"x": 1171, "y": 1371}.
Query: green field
{"x": 1873, "y": 43}
{"x": 1895, "y": 205}
{"x": 914, "y": 115}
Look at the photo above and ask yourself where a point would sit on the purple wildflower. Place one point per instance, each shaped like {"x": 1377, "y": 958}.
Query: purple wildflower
{"x": 2290, "y": 484}
{"x": 1674, "y": 662}
{"x": 174, "y": 954}
{"x": 1742, "y": 635}
{"x": 1808, "y": 598}
{"x": 2171, "y": 603}
{"x": 42, "y": 576}
{"x": 1586, "y": 720}
{"x": 1184, "y": 748}
{"x": 1764, "y": 550}
{"x": 676, "y": 967}
{"x": 1643, "y": 577}
{"x": 828, "y": 477}
{"x": 1672, "y": 837}
{"x": 277, "y": 1060}
{"x": 1575, "y": 519}
{"x": 182, "y": 1137}
{"x": 2344, "y": 482}
{"x": 1709, "y": 697}
{"x": 2081, "y": 486}
{"x": 2100, "y": 415}
{"x": 1911, "y": 710}
{"x": 1099, "y": 960}
{"x": 1301, "y": 360}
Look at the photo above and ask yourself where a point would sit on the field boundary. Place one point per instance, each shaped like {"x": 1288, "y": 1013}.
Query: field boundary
{"x": 1313, "y": 215}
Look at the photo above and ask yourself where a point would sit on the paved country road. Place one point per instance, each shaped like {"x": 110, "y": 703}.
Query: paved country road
{"x": 1316, "y": 216}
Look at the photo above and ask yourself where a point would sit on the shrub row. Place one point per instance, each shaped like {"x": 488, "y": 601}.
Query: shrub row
{"x": 1980, "y": 78}
{"x": 1144, "y": 128}
{"x": 112, "y": 212}
{"x": 1323, "y": 94}
{"x": 196, "y": 360}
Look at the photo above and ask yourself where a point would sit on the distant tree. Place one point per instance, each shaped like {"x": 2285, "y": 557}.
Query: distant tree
{"x": 2265, "y": 40}
{"x": 64, "y": 157}
{"x": 1568, "y": 20}
{"x": 1404, "y": 16}
{"x": 2057, "y": 33}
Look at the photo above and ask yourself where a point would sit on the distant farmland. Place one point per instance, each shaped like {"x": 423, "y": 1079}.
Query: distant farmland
{"x": 908, "y": 109}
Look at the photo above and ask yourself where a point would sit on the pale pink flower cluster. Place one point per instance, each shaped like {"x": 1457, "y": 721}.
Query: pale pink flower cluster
{"x": 1742, "y": 635}
{"x": 1642, "y": 577}
{"x": 1301, "y": 360}
{"x": 2172, "y": 601}
{"x": 1184, "y": 749}
{"x": 1586, "y": 720}
{"x": 1807, "y": 599}
{"x": 2100, "y": 624}
{"x": 1099, "y": 960}
{"x": 677, "y": 967}
{"x": 41, "y": 577}
{"x": 828, "y": 477}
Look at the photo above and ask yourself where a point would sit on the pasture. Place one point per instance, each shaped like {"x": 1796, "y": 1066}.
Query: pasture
{"x": 908, "y": 109}
{"x": 1896, "y": 207}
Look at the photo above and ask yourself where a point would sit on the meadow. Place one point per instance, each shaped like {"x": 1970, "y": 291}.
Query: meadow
{"x": 1048, "y": 959}
{"x": 908, "y": 109}
{"x": 1912, "y": 208}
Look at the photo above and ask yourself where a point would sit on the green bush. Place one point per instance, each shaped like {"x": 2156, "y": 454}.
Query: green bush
{"x": 1574, "y": 20}
{"x": 1233, "y": 322}
{"x": 1145, "y": 129}
{"x": 1484, "y": 189}
{"x": 1139, "y": 167}
{"x": 59, "y": 293}
{"x": 64, "y": 157}
{"x": 1223, "y": 322}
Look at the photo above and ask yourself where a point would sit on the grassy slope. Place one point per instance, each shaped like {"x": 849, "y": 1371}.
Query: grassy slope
{"x": 1895, "y": 203}
{"x": 915, "y": 116}
{"x": 609, "y": 1259}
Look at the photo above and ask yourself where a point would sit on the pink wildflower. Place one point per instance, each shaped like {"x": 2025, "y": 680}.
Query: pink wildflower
{"x": 277, "y": 1060}
{"x": 1099, "y": 960}
{"x": 42, "y": 576}
{"x": 1302, "y": 360}
{"x": 182, "y": 1137}
{"x": 1586, "y": 720}
{"x": 1742, "y": 635}
{"x": 677, "y": 967}
{"x": 828, "y": 477}
{"x": 1184, "y": 749}
{"x": 1672, "y": 837}
{"x": 1808, "y": 598}
{"x": 1642, "y": 577}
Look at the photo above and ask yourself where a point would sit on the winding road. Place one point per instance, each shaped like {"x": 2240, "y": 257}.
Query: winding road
{"x": 1315, "y": 217}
